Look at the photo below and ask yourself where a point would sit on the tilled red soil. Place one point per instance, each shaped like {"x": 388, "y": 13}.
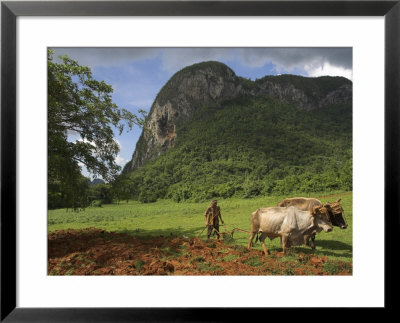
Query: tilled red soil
{"x": 97, "y": 252}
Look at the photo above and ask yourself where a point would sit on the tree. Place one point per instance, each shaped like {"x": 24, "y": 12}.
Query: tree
{"x": 82, "y": 106}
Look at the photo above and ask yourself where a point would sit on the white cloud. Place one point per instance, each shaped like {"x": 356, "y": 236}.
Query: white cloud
{"x": 290, "y": 58}
{"x": 328, "y": 69}
{"x": 286, "y": 60}
{"x": 335, "y": 61}
{"x": 86, "y": 141}
{"x": 120, "y": 161}
{"x": 118, "y": 143}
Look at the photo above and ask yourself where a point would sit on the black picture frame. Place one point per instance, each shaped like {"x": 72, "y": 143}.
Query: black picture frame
{"x": 10, "y": 10}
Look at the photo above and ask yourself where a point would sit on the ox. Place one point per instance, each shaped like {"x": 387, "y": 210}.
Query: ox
{"x": 291, "y": 224}
{"x": 335, "y": 211}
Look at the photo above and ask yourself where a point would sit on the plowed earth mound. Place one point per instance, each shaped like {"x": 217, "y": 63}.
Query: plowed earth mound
{"x": 98, "y": 252}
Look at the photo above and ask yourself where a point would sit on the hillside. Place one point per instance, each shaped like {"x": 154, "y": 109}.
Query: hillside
{"x": 212, "y": 134}
{"x": 213, "y": 84}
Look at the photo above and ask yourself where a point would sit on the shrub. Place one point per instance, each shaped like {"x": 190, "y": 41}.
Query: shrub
{"x": 97, "y": 203}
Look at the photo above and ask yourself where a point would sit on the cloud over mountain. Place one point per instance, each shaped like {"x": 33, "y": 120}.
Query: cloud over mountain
{"x": 312, "y": 60}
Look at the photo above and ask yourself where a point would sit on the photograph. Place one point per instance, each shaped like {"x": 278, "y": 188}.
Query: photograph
{"x": 200, "y": 161}
{"x": 152, "y": 150}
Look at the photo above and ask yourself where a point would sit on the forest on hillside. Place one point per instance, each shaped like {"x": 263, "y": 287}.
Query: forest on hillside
{"x": 246, "y": 148}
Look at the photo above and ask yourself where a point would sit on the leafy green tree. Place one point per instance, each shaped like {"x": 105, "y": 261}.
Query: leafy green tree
{"x": 101, "y": 192}
{"x": 81, "y": 106}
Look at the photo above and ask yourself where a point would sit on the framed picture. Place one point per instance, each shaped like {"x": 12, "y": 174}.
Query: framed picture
{"x": 31, "y": 291}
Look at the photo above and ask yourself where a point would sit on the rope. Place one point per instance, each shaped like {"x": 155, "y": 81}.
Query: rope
{"x": 202, "y": 231}
{"x": 231, "y": 232}
{"x": 238, "y": 229}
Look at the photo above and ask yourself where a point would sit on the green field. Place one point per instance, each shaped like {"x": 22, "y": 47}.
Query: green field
{"x": 167, "y": 218}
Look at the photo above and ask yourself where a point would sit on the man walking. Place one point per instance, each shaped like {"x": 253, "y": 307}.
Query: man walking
{"x": 213, "y": 213}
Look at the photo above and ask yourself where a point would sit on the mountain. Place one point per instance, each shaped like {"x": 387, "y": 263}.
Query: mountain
{"x": 212, "y": 84}
{"x": 96, "y": 181}
{"x": 253, "y": 137}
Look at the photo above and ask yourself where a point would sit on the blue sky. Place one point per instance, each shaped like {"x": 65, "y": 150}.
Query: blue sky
{"x": 138, "y": 74}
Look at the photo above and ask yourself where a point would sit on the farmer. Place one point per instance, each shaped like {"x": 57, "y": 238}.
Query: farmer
{"x": 213, "y": 212}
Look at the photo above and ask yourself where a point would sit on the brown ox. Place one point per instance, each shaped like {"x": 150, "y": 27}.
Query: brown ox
{"x": 335, "y": 211}
{"x": 303, "y": 203}
{"x": 291, "y": 224}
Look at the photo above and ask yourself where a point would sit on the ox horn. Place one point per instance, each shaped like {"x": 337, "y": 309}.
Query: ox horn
{"x": 338, "y": 200}
{"x": 314, "y": 209}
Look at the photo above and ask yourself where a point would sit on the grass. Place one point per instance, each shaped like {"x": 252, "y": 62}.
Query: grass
{"x": 139, "y": 264}
{"x": 254, "y": 262}
{"x": 230, "y": 257}
{"x": 166, "y": 218}
{"x": 208, "y": 267}
{"x": 331, "y": 268}
{"x": 171, "y": 251}
{"x": 69, "y": 272}
{"x": 197, "y": 259}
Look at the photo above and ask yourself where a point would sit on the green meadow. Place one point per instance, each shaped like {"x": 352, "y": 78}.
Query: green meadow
{"x": 169, "y": 218}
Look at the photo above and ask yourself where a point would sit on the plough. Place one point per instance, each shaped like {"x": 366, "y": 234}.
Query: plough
{"x": 225, "y": 233}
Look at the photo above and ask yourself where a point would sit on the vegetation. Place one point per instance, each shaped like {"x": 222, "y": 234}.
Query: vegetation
{"x": 82, "y": 106}
{"x": 167, "y": 218}
{"x": 246, "y": 148}
{"x": 313, "y": 87}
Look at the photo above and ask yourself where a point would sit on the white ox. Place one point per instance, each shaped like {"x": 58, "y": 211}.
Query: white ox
{"x": 291, "y": 224}
{"x": 335, "y": 211}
